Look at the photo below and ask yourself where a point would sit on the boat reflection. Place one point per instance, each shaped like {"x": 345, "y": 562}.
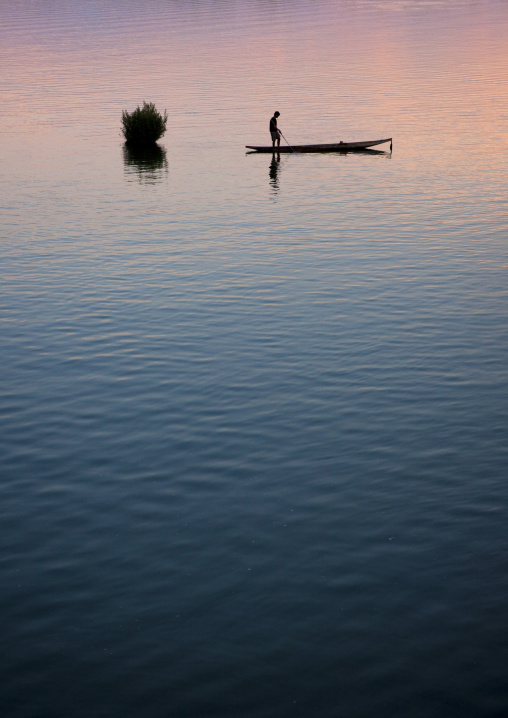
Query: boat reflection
{"x": 334, "y": 153}
{"x": 148, "y": 164}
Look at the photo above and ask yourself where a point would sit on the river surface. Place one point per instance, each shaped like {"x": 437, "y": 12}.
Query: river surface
{"x": 254, "y": 410}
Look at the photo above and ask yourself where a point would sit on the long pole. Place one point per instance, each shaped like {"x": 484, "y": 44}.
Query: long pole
{"x": 292, "y": 150}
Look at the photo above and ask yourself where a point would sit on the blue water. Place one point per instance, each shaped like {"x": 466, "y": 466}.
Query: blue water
{"x": 253, "y": 412}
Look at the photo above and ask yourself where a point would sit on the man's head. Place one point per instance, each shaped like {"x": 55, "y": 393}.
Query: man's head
{"x": 276, "y": 114}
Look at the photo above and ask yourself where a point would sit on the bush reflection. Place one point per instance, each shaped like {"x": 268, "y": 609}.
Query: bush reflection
{"x": 148, "y": 164}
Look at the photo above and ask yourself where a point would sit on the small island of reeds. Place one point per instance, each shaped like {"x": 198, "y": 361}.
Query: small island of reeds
{"x": 144, "y": 126}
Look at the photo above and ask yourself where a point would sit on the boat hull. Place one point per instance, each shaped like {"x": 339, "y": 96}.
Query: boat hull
{"x": 333, "y": 147}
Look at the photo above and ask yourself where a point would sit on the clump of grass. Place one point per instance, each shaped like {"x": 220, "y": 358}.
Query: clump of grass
{"x": 144, "y": 126}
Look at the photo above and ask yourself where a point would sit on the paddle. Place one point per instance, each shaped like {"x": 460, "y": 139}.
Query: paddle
{"x": 292, "y": 150}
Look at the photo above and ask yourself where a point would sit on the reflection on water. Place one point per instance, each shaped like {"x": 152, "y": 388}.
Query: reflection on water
{"x": 275, "y": 166}
{"x": 274, "y": 173}
{"x": 148, "y": 164}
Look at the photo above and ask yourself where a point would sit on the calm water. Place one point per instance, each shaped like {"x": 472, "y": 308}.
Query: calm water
{"x": 253, "y": 412}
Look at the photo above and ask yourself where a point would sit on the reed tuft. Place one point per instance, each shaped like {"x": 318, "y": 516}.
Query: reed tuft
{"x": 144, "y": 126}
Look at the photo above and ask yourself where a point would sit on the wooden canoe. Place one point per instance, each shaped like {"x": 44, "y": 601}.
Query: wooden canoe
{"x": 334, "y": 147}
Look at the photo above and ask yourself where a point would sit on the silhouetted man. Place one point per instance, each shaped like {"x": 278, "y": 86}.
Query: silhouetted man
{"x": 274, "y": 131}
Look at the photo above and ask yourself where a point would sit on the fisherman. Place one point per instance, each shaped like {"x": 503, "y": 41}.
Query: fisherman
{"x": 274, "y": 131}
